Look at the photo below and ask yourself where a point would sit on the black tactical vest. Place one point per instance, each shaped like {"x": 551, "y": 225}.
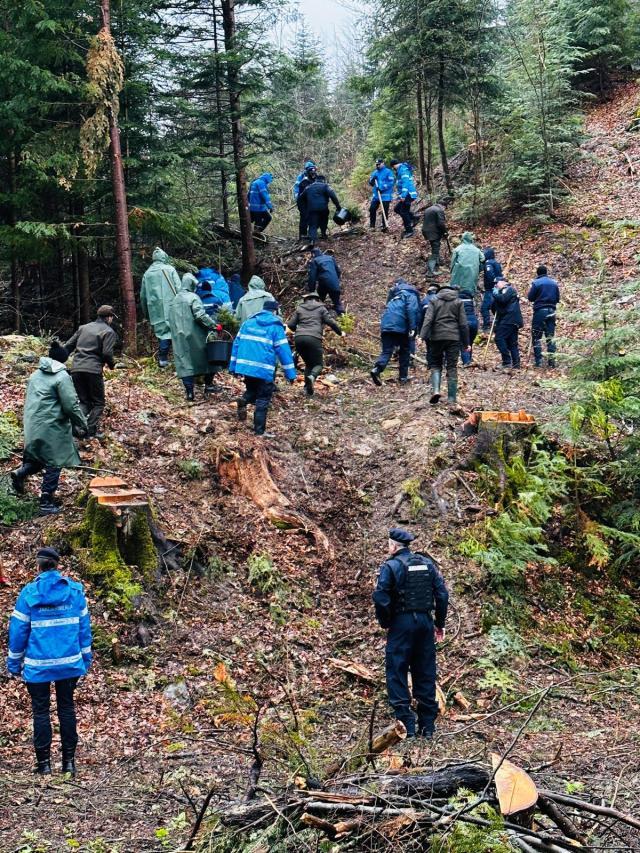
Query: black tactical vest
{"x": 416, "y": 595}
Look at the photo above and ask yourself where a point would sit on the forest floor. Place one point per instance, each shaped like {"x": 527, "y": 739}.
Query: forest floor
{"x": 160, "y": 730}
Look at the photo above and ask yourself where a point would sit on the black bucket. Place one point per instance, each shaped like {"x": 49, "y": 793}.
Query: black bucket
{"x": 342, "y": 216}
{"x": 219, "y": 352}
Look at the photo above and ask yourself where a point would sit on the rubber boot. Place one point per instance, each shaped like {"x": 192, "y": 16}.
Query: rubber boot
{"x": 452, "y": 391}
{"x": 436, "y": 378}
{"x": 375, "y": 375}
{"x": 68, "y": 763}
{"x": 431, "y": 267}
{"x": 17, "y": 480}
{"x": 242, "y": 409}
{"x": 309, "y": 382}
{"x": 189, "y": 395}
{"x": 47, "y": 505}
{"x": 43, "y": 762}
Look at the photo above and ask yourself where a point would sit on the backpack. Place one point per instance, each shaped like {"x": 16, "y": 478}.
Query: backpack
{"x": 416, "y": 593}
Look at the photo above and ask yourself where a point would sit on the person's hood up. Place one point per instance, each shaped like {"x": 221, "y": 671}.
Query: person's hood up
{"x": 307, "y": 296}
{"x": 489, "y": 254}
{"x": 235, "y": 279}
{"x": 189, "y": 282}
{"x": 316, "y": 253}
{"x": 447, "y": 293}
{"x": 267, "y": 177}
{"x": 467, "y": 237}
{"x": 256, "y": 283}
{"x": 309, "y": 164}
{"x": 207, "y": 274}
{"x": 267, "y": 318}
{"x": 160, "y": 256}
{"x": 49, "y": 588}
{"x": 49, "y": 365}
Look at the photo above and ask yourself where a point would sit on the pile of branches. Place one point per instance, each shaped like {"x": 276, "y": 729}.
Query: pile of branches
{"x": 402, "y": 809}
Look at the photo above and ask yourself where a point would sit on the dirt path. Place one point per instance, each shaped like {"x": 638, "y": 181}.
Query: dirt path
{"x": 341, "y": 458}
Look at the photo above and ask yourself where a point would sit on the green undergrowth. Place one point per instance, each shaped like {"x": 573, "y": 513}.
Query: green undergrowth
{"x": 10, "y": 434}
{"x": 14, "y": 509}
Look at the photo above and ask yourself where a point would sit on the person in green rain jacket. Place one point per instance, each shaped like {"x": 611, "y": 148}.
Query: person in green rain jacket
{"x": 253, "y": 300}
{"x": 190, "y": 324}
{"x": 51, "y": 410}
{"x": 160, "y": 284}
{"x": 466, "y": 263}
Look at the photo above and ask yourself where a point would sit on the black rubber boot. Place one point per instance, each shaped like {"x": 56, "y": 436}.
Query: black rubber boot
{"x": 69, "y": 764}
{"x": 43, "y": 762}
{"x": 242, "y": 409}
{"x": 309, "y": 382}
{"x": 17, "y": 480}
{"x": 189, "y": 395}
{"x": 48, "y": 506}
{"x": 375, "y": 375}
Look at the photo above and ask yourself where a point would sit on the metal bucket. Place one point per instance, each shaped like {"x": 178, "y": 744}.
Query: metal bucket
{"x": 342, "y": 216}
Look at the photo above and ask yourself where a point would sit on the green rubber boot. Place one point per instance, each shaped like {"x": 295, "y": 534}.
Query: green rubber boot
{"x": 452, "y": 391}
{"x": 436, "y": 378}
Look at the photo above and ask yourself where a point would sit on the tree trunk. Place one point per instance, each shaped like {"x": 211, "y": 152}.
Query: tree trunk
{"x": 237, "y": 136}
{"x": 123, "y": 242}
{"x": 83, "y": 284}
{"x": 428, "y": 108}
{"x": 443, "y": 148}
{"x": 224, "y": 181}
{"x": 421, "y": 158}
{"x": 15, "y": 283}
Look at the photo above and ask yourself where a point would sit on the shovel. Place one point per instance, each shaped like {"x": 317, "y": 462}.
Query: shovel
{"x": 384, "y": 215}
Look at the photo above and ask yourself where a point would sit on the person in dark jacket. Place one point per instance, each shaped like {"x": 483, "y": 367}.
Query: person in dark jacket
{"x": 408, "y": 589}
{"x": 492, "y": 271}
{"x": 306, "y": 177}
{"x": 323, "y": 277}
{"x": 382, "y": 180}
{"x": 50, "y": 641}
{"x": 316, "y": 198}
{"x": 445, "y": 330}
{"x": 434, "y": 229}
{"x": 93, "y": 344}
{"x": 506, "y": 306}
{"x": 545, "y": 295}
{"x": 472, "y": 322}
{"x": 236, "y": 290}
{"x": 51, "y": 412}
{"x": 260, "y": 204}
{"x": 308, "y": 322}
{"x": 412, "y": 290}
{"x": 399, "y": 323}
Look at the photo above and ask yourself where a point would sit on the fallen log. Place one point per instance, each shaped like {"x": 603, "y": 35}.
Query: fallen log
{"x": 441, "y": 783}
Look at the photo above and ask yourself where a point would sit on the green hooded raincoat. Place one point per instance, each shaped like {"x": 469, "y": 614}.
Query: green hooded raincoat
{"x": 466, "y": 263}
{"x": 160, "y": 284}
{"x": 51, "y": 408}
{"x": 253, "y": 300}
{"x": 189, "y": 324}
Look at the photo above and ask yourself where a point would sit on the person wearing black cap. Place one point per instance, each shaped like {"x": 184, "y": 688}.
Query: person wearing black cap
{"x": 51, "y": 411}
{"x": 409, "y": 587}
{"x": 50, "y": 641}
{"x": 93, "y": 344}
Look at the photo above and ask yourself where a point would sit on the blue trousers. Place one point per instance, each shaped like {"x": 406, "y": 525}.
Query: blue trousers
{"x": 544, "y": 323}
{"x": 50, "y": 478}
{"x": 164, "y": 345}
{"x": 403, "y": 209}
{"x": 411, "y": 649}
{"x": 389, "y": 341}
{"x": 487, "y": 299}
{"x": 507, "y": 343}
{"x": 324, "y": 290}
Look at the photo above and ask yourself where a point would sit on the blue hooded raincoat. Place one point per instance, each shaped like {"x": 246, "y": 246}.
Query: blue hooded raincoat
{"x": 50, "y": 630}
{"x": 386, "y": 180}
{"x": 259, "y": 198}
{"x": 259, "y": 345}
{"x": 405, "y": 185}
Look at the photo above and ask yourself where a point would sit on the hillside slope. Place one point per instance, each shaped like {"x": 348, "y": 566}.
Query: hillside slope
{"x": 148, "y": 753}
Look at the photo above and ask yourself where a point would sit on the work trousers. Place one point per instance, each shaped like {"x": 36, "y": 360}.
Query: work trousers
{"x": 507, "y": 343}
{"x": 544, "y": 323}
{"x": 260, "y": 219}
{"x": 411, "y": 649}
{"x": 389, "y": 341}
{"x": 310, "y": 351}
{"x": 403, "y": 209}
{"x": 441, "y": 352}
{"x": 433, "y": 261}
{"x": 41, "y": 705}
{"x": 467, "y": 355}
{"x": 303, "y": 225}
{"x": 258, "y": 393}
{"x": 318, "y": 219}
{"x": 485, "y": 310}
{"x": 90, "y": 390}
{"x": 324, "y": 290}
{"x": 50, "y": 478}
{"x": 373, "y": 211}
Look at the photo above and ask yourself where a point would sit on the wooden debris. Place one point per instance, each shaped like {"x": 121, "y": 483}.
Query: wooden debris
{"x": 357, "y": 669}
{"x": 516, "y": 789}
